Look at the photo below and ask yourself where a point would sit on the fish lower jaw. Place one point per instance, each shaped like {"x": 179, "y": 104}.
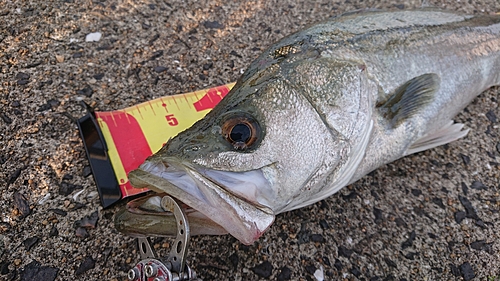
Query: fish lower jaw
{"x": 244, "y": 220}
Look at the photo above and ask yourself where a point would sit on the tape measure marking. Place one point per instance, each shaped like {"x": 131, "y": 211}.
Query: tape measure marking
{"x": 134, "y": 133}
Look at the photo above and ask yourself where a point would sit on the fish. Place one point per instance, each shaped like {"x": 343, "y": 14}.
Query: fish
{"x": 314, "y": 113}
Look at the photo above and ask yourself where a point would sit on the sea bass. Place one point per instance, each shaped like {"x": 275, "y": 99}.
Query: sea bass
{"x": 317, "y": 111}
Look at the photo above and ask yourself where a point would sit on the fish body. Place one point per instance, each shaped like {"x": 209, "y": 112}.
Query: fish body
{"x": 322, "y": 108}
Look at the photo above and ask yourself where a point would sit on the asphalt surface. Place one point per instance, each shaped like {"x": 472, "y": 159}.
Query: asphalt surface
{"x": 429, "y": 216}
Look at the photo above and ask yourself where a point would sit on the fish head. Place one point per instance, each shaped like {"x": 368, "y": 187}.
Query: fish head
{"x": 267, "y": 147}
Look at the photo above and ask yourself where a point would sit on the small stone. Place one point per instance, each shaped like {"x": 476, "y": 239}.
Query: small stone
{"x": 66, "y": 189}
{"x": 491, "y": 116}
{"x": 469, "y": 209}
{"x": 478, "y": 185}
{"x": 234, "y": 259}
{"x": 53, "y": 231}
{"x": 93, "y": 37}
{"x": 467, "y": 271}
{"x": 22, "y": 205}
{"x": 324, "y": 224}
{"x": 59, "y": 58}
{"x": 390, "y": 263}
{"x": 285, "y": 274}
{"x": 87, "y": 171}
{"x": 6, "y": 118}
{"x": 13, "y": 177}
{"x": 98, "y": 76}
{"x": 411, "y": 255}
{"x": 159, "y": 69}
{"x": 87, "y": 264}
{"x": 317, "y": 238}
{"x": 264, "y": 269}
{"x": 207, "y": 66}
{"x": 409, "y": 241}
{"x": 465, "y": 158}
{"x": 82, "y": 232}
{"x": 310, "y": 268}
{"x": 77, "y": 55}
{"x": 481, "y": 245}
{"x": 34, "y": 271}
{"x": 87, "y": 91}
{"x": 343, "y": 251}
{"x": 30, "y": 242}
{"x": 45, "y": 222}
{"x": 454, "y": 270}
{"x": 17, "y": 262}
{"x": 498, "y": 147}
{"x": 59, "y": 212}
{"x": 213, "y": 25}
{"x": 89, "y": 221}
{"x": 416, "y": 192}
{"x": 4, "y": 268}
{"x": 439, "y": 202}
{"x": 379, "y": 217}
{"x": 355, "y": 271}
{"x": 156, "y": 55}
{"x": 465, "y": 189}
{"x": 22, "y": 76}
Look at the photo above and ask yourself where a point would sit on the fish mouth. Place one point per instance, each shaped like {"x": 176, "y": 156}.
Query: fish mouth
{"x": 236, "y": 201}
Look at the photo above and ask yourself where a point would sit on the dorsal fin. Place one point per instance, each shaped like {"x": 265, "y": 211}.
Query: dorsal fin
{"x": 409, "y": 98}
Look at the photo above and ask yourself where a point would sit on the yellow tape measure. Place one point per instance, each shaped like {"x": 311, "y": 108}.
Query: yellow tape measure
{"x": 134, "y": 133}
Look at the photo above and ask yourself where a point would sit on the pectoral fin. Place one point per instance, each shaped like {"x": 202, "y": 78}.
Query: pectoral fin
{"x": 409, "y": 98}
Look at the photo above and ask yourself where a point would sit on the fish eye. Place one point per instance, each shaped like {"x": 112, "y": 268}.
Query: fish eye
{"x": 241, "y": 132}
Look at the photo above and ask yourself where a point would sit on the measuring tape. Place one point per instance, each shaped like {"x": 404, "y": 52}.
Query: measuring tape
{"x": 120, "y": 140}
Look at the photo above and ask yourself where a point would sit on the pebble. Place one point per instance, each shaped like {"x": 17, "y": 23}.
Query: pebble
{"x": 310, "y": 268}
{"x": 317, "y": 238}
{"x": 213, "y": 25}
{"x": 264, "y": 269}
{"x": 87, "y": 91}
{"x": 343, "y": 251}
{"x": 59, "y": 58}
{"x": 460, "y": 216}
{"x": 17, "y": 262}
{"x": 467, "y": 271}
{"x": 30, "y": 242}
{"x": 465, "y": 158}
{"x": 53, "y": 232}
{"x": 234, "y": 259}
{"x": 89, "y": 221}
{"x": 481, "y": 245}
{"x": 469, "y": 209}
{"x": 491, "y": 116}
{"x": 34, "y": 271}
{"x": 93, "y": 37}
{"x": 478, "y": 185}
{"x": 87, "y": 171}
{"x": 13, "y": 177}
{"x": 87, "y": 264}
{"x": 4, "y": 268}
{"x": 58, "y": 212}
{"x": 285, "y": 274}
{"x": 379, "y": 217}
{"x": 22, "y": 205}
{"x": 159, "y": 69}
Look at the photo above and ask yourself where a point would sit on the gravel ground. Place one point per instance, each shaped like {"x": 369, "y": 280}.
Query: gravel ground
{"x": 429, "y": 216}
